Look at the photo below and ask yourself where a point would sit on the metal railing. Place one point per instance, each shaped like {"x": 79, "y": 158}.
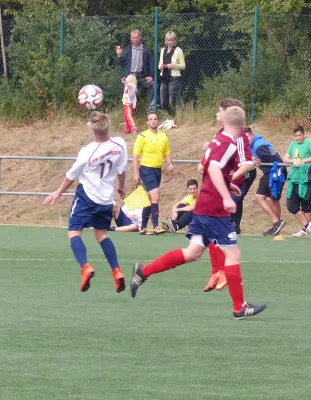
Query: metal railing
{"x": 2, "y": 192}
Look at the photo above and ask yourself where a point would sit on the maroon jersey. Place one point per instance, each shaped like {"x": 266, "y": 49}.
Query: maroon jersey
{"x": 222, "y": 150}
{"x": 244, "y": 155}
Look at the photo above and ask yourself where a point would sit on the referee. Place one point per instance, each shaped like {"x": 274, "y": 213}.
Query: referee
{"x": 151, "y": 146}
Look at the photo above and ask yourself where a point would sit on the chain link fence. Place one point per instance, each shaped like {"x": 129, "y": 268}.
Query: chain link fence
{"x": 218, "y": 48}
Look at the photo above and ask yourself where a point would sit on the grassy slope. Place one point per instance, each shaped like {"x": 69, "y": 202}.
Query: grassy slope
{"x": 65, "y": 138}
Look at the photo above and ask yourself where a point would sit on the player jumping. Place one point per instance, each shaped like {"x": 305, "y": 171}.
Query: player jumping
{"x": 211, "y": 221}
{"x": 96, "y": 166}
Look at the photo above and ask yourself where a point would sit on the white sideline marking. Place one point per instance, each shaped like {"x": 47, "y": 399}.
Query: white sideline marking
{"x": 131, "y": 260}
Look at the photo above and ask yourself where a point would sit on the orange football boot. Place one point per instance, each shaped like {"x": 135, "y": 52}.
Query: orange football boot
{"x": 119, "y": 279}
{"x": 87, "y": 273}
{"x": 222, "y": 281}
{"x": 213, "y": 280}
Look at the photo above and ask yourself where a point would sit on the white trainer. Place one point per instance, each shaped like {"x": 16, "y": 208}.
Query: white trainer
{"x": 301, "y": 233}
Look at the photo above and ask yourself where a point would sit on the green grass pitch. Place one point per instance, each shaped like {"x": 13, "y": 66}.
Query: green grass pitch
{"x": 173, "y": 341}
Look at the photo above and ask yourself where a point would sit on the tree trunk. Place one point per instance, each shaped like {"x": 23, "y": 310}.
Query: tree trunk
{"x": 5, "y": 70}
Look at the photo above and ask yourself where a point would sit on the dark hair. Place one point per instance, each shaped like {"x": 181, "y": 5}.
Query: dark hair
{"x": 299, "y": 128}
{"x": 231, "y": 102}
{"x": 192, "y": 182}
{"x": 150, "y": 113}
{"x": 247, "y": 129}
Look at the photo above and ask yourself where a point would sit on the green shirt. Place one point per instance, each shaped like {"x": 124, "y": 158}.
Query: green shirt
{"x": 300, "y": 151}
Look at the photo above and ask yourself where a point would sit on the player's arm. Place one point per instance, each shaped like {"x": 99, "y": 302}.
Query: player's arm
{"x": 185, "y": 208}
{"x": 135, "y": 168}
{"x": 168, "y": 160}
{"x": 137, "y": 151}
{"x": 288, "y": 159}
{"x": 245, "y": 163}
{"x": 167, "y": 155}
{"x": 121, "y": 184}
{"x": 51, "y": 198}
{"x": 215, "y": 173}
{"x": 243, "y": 170}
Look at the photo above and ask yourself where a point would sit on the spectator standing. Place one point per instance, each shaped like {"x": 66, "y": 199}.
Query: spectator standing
{"x": 171, "y": 63}
{"x": 152, "y": 146}
{"x": 129, "y": 100}
{"x": 298, "y": 189}
{"x": 264, "y": 152}
{"x": 137, "y": 59}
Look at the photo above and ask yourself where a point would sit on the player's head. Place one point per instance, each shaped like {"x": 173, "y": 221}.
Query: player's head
{"x": 192, "y": 187}
{"x": 170, "y": 39}
{"x": 100, "y": 124}
{"x": 234, "y": 120}
{"x": 226, "y": 103}
{"x": 249, "y": 133}
{"x": 152, "y": 120}
{"x": 132, "y": 79}
{"x": 299, "y": 134}
{"x": 135, "y": 37}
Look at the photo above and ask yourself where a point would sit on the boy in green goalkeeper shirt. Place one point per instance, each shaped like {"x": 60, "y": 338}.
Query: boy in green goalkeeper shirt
{"x": 298, "y": 193}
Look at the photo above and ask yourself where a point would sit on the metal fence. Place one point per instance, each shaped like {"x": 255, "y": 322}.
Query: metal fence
{"x": 255, "y": 57}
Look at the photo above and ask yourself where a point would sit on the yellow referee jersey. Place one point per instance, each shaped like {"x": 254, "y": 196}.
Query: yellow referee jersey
{"x": 152, "y": 147}
{"x": 188, "y": 200}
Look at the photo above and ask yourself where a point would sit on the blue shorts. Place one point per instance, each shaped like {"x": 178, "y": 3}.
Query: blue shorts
{"x": 122, "y": 219}
{"x": 219, "y": 231}
{"x": 84, "y": 213}
{"x": 151, "y": 177}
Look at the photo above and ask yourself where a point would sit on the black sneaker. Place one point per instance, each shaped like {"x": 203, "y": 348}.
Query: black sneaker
{"x": 172, "y": 225}
{"x": 268, "y": 232}
{"x": 249, "y": 310}
{"x": 137, "y": 278}
{"x": 277, "y": 227}
{"x": 165, "y": 227}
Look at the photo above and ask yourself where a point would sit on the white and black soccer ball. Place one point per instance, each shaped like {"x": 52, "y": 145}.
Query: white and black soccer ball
{"x": 91, "y": 97}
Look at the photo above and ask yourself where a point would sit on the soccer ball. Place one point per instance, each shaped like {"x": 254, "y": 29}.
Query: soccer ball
{"x": 91, "y": 97}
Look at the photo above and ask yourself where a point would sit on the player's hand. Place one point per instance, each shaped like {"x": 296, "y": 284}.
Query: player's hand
{"x": 256, "y": 161}
{"x": 229, "y": 205}
{"x": 137, "y": 180}
{"x": 297, "y": 163}
{"x": 170, "y": 66}
{"x": 170, "y": 167}
{"x": 121, "y": 193}
{"x": 51, "y": 198}
{"x": 235, "y": 190}
{"x": 119, "y": 51}
{"x": 205, "y": 146}
{"x": 149, "y": 78}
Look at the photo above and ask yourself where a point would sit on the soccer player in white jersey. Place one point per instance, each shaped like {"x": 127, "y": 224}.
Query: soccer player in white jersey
{"x": 96, "y": 167}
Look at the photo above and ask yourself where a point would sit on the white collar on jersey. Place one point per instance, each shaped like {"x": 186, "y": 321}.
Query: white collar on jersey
{"x": 228, "y": 135}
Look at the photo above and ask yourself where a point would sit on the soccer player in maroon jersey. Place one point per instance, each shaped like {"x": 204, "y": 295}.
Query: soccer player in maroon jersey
{"x": 211, "y": 222}
{"x": 244, "y": 163}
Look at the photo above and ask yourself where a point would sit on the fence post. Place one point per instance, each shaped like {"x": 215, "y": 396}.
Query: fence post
{"x": 256, "y": 17}
{"x": 156, "y": 41}
{"x": 61, "y": 53}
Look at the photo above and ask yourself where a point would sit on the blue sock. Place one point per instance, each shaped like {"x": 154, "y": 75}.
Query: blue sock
{"x": 145, "y": 217}
{"x": 155, "y": 214}
{"x": 110, "y": 252}
{"x": 79, "y": 250}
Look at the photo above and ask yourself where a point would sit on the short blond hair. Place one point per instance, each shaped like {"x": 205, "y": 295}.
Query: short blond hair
{"x": 133, "y": 31}
{"x": 170, "y": 35}
{"x": 99, "y": 123}
{"x": 131, "y": 78}
{"x": 234, "y": 116}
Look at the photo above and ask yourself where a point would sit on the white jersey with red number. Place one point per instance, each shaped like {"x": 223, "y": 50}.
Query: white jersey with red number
{"x": 96, "y": 167}
{"x": 222, "y": 150}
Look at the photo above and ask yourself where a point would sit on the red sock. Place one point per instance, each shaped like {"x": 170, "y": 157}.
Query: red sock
{"x": 217, "y": 258}
{"x": 169, "y": 260}
{"x": 235, "y": 286}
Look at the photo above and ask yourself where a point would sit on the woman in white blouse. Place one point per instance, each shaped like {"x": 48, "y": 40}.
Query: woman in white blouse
{"x": 171, "y": 63}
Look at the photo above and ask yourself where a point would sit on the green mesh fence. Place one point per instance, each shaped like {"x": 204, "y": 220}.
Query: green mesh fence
{"x": 218, "y": 51}
{"x": 6, "y": 27}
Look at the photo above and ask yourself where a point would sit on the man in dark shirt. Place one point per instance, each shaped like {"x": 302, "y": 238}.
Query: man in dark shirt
{"x": 137, "y": 59}
{"x": 264, "y": 152}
